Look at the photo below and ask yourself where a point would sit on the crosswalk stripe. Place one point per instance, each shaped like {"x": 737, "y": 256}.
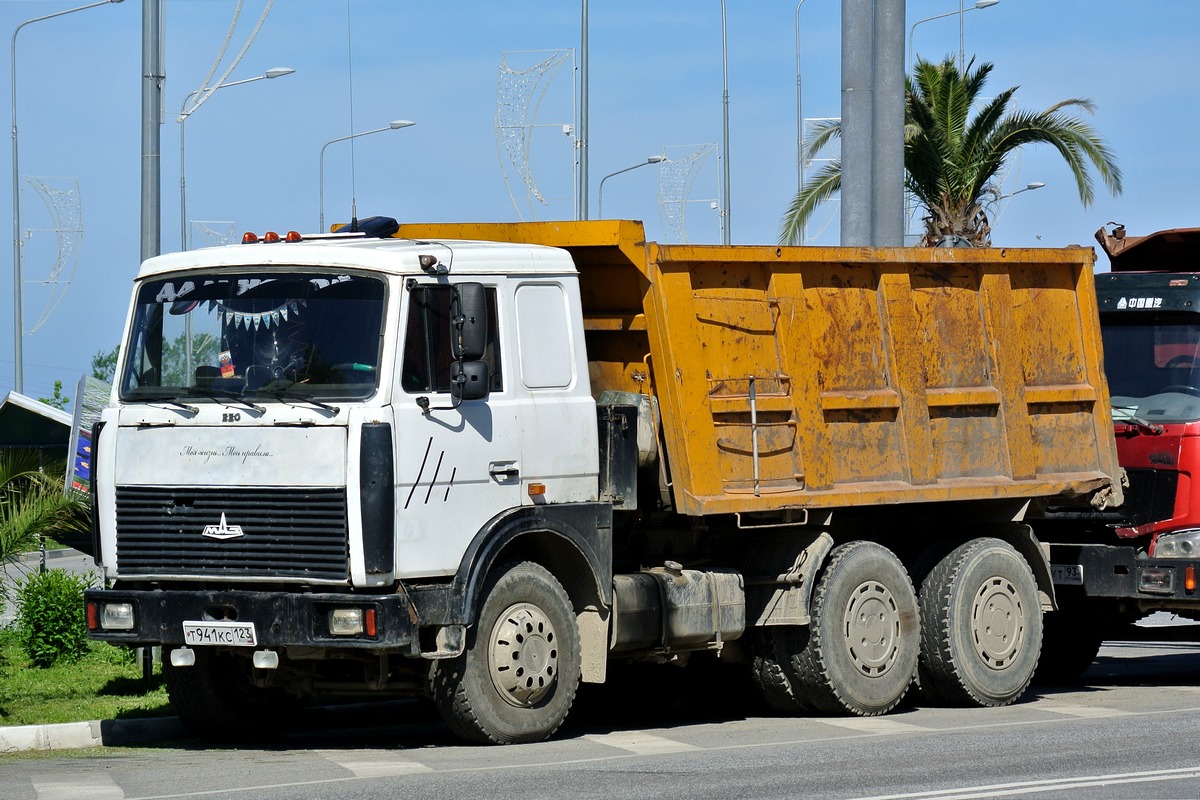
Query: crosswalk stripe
{"x": 641, "y": 743}
{"x": 76, "y": 786}
{"x": 381, "y": 767}
{"x": 872, "y": 725}
{"x": 1086, "y": 712}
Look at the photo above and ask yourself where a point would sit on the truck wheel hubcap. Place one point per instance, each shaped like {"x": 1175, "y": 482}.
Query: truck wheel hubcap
{"x": 523, "y": 655}
{"x": 872, "y": 628}
{"x": 997, "y": 622}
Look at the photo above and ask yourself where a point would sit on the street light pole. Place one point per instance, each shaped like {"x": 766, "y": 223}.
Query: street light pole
{"x": 391, "y": 126}
{"x": 979, "y": 5}
{"x": 725, "y": 203}
{"x": 1029, "y": 187}
{"x": 600, "y": 199}
{"x": 184, "y": 114}
{"x": 18, "y": 318}
{"x": 799, "y": 123}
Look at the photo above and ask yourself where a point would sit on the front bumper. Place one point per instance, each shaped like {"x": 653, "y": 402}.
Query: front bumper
{"x": 280, "y": 619}
{"x": 1117, "y": 572}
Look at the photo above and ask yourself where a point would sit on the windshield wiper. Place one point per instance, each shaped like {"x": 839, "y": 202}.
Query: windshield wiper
{"x": 163, "y": 399}
{"x": 226, "y": 394}
{"x": 1136, "y": 423}
{"x": 285, "y": 392}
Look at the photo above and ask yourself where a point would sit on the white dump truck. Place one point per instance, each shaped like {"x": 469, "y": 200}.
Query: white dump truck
{"x": 478, "y": 463}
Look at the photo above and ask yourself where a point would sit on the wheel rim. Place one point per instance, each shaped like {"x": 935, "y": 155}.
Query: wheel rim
{"x": 872, "y": 628}
{"x": 997, "y": 622}
{"x": 523, "y": 655}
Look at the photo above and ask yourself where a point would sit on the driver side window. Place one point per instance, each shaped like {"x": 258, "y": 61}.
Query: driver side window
{"x": 427, "y": 353}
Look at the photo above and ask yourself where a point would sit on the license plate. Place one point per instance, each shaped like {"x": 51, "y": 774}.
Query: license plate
{"x": 228, "y": 634}
{"x": 1067, "y": 574}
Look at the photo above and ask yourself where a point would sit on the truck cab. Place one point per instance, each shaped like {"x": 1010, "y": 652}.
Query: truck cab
{"x": 296, "y": 472}
{"x": 1119, "y": 565}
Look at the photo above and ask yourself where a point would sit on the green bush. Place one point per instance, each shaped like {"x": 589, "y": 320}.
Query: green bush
{"x": 51, "y": 619}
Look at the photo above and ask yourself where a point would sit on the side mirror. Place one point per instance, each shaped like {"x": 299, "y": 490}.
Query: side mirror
{"x": 469, "y": 322}
{"x": 469, "y": 380}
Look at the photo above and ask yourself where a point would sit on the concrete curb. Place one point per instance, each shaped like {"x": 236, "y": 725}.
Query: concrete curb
{"x": 97, "y": 733}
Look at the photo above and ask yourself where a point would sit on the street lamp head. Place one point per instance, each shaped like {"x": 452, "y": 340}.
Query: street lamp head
{"x": 985, "y": 3}
{"x": 401, "y": 123}
{"x": 275, "y": 72}
{"x": 1035, "y": 185}
{"x": 656, "y": 159}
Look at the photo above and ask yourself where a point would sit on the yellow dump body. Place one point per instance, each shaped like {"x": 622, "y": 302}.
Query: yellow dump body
{"x": 821, "y": 377}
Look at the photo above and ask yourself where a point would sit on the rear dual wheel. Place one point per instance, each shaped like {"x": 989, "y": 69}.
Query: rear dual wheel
{"x": 859, "y": 653}
{"x": 981, "y": 625}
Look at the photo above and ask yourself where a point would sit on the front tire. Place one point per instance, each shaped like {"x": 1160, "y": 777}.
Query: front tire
{"x": 981, "y": 625}
{"x": 859, "y": 654}
{"x": 517, "y": 678}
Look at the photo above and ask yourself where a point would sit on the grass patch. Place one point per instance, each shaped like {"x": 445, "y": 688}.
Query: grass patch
{"x": 104, "y": 684}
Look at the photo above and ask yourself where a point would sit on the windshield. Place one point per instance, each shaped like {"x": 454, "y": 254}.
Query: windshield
{"x": 254, "y": 335}
{"x": 1152, "y": 363}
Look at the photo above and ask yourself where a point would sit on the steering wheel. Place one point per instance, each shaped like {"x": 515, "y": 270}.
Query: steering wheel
{"x": 1183, "y": 360}
{"x": 1182, "y": 388}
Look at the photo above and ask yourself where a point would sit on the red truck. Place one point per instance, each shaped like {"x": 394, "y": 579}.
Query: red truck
{"x": 1114, "y": 566}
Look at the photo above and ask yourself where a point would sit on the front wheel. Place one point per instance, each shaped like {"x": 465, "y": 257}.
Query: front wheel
{"x": 981, "y": 625}
{"x": 517, "y": 678}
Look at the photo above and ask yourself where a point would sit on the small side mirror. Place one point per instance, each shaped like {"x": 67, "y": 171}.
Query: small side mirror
{"x": 469, "y": 322}
{"x": 469, "y": 380}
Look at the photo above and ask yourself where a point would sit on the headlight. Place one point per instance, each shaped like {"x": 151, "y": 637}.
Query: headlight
{"x": 352, "y": 621}
{"x": 346, "y": 621}
{"x": 1185, "y": 544}
{"x": 116, "y": 616}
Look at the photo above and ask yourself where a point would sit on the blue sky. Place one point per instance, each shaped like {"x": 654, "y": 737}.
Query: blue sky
{"x": 253, "y": 150}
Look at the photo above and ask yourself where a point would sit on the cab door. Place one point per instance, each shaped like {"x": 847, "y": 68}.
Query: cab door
{"x": 457, "y": 464}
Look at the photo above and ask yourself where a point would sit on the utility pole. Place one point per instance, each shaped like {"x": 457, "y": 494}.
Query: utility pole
{"x": 152, "y": 86}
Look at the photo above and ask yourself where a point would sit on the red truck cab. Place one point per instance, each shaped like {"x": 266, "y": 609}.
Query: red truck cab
{"x": 1116, "y": 565}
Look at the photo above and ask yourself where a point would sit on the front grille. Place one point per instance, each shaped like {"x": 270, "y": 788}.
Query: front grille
{"x": 286, "y": 533}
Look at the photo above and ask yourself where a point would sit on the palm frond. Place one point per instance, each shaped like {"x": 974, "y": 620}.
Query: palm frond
{"x": 826, "y": 183}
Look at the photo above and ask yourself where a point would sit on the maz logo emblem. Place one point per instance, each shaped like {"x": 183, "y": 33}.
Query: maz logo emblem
{"x": 223, "y": 531}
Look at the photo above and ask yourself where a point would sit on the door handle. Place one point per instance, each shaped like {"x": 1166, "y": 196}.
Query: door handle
{"x": 504, "y": 471}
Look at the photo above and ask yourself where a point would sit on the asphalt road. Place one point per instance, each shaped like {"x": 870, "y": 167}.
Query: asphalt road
{"x": 1127, "y": 731}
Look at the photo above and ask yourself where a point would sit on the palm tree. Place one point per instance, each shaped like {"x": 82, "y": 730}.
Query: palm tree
{"x": 951, "y": 160}
{"x": 33, "y": 504}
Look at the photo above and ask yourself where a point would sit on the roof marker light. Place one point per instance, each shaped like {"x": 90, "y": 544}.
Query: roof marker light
{"x": 294, "y": 236}
{"x": 270, "y": 237}
{"x": 249, "y": 238}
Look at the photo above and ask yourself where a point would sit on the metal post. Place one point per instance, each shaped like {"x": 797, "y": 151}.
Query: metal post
{"x": 799, "y": 124}
{"x": 582, "y": 201}
{"x": 857, "y": 64}
{"x": 887, "y": 156}
{"x": 153, "y": 78}
{"x": 726, "y": 214}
